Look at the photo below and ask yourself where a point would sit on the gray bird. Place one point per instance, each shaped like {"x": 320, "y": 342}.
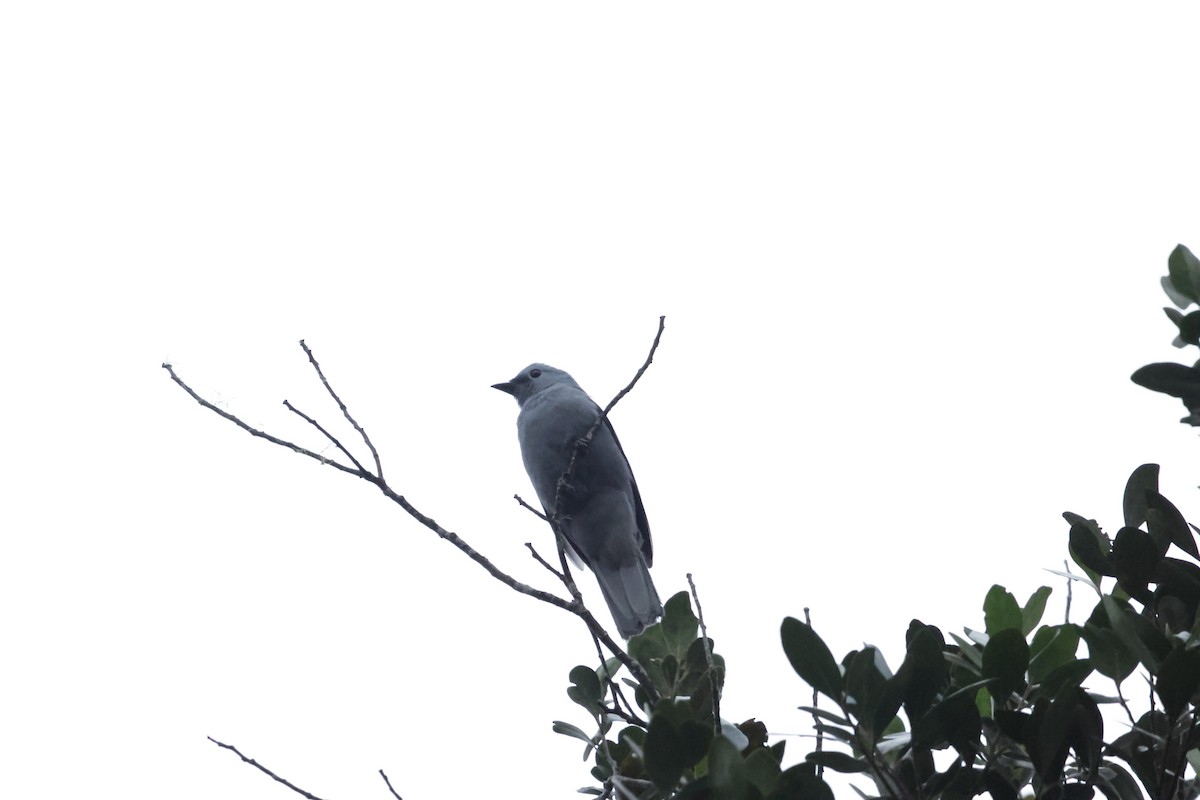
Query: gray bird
{"x": 600, "y": 506}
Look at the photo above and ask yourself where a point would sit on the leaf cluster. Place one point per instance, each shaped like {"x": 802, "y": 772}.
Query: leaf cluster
{"x": 1182, "y": 285}
{"x": 683, "y": 749}
{"x": 1011, "y": 706}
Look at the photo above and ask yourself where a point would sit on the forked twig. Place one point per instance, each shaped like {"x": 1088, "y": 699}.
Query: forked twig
{"x": 328, "y": 435}
{"x": 345, "y": 411}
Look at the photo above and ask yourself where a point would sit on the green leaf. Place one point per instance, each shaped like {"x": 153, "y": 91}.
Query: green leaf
{"x": 968, "y": 650}
{"x": 1176, "y": 317}
{"x": 1115, "y": 782}
{"x": 1178, "y": 680}
{"x": 1184, "y": 271}
{"x": 811, "y": 659}
{"x": 1052, "y": 647}
{"x": 801, "y": 783}
{"x": 924, "y": 673}
{"x": 1085, "y": 580}
{"x": 587, "y": 690}
{"x": 1142, "y": 481}
{"x": 838, "y": 762}
{"x": 1189, "y": 326}
{"x": 1005, "y": 660}
{"x": 1178, "y": 595}
{"x": 1031, "y": 615}
{"x": 1164, "y": 520}
{"x": 826, "y": 715}
{"x": 835, "y": 732}
{"x": 866, "y": 675}
{"x": 1142, "y": 747}
{"x": 762, "y": 770}
{"x": 1000, "y": 610}
{"x": 679, "y": 624}
{"x": 1106, "y": 652}
{"x": 1069, "y": 675}
{"x": 1135, "y": 558}
{"x": 1136, "y": 633}
{"x": 608, "y": 670}
{"x": 726, "y": 770}
{"x": 1089, "y": 547}
{"x": 1176, "y": 298}
{"x": 983, "y": 702}
{"x": 954, "y": 720}
{"x": 1087, "y": 731}
{"x": 674, "y": 742}
{"x": 885, "y": 705}
{"x": 1047, "y": 731}
{"x": 567, "y": 729}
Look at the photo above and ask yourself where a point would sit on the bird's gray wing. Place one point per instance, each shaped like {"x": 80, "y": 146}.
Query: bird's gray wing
{"x": 643, "y": 525}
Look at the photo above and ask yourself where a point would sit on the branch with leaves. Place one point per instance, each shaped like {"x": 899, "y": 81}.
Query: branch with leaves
{"x": 648, "y": 691}
{"x": 374, "y": 476}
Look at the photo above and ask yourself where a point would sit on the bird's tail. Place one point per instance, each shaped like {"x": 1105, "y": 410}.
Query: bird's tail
{"x": 630, "y": 595}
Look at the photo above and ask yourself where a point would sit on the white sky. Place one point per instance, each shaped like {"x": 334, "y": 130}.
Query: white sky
{"x": 908, "y": 253}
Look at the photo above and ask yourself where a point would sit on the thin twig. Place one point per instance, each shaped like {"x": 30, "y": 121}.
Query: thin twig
{"x": 708, "y": 659}
{"x": 816, "y": 719}
{"x": 540, "y": 515}
{"x": 345, "y": 411}
{"x": 662, "y": 324}
{"x": 328, "y": 435}
{"x": 583, "y": 441}
{"x": 389, "y": 785}
{"x": 538, "y": 557}
{"x": 261, "y": 768}
{"x": 628, "y": 714}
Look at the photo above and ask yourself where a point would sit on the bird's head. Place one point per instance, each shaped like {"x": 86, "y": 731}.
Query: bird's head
{"x": 533, "y": 379}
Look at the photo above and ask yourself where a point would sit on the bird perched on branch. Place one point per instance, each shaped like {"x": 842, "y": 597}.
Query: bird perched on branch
{"x": 598, "y": 506}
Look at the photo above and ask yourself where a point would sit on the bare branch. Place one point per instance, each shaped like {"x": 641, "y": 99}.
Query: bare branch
{"x": 538, "y": 557}
{"x": 449, "y": 536}
{"x": 345, "y": 411}
{"x": 471, "y": 552}
{"x": 389, "y": 785}
{"x": 575, "y": 605}
{"x": 522, "y": 502}
{"x": 261, "y": 768}
{"x": 328, "y": 435}
{"x": 255, "y": 432}
{"x": 662, "y": 324}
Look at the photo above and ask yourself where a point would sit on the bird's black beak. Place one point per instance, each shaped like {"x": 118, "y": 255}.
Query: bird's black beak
{"x": 505, "y": 387}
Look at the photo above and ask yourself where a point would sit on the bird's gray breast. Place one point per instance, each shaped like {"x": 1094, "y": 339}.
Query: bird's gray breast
{"x": 549, "y": 425}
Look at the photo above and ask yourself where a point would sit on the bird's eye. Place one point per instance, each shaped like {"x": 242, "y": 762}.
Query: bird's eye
{"x": 535, "y": 373}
